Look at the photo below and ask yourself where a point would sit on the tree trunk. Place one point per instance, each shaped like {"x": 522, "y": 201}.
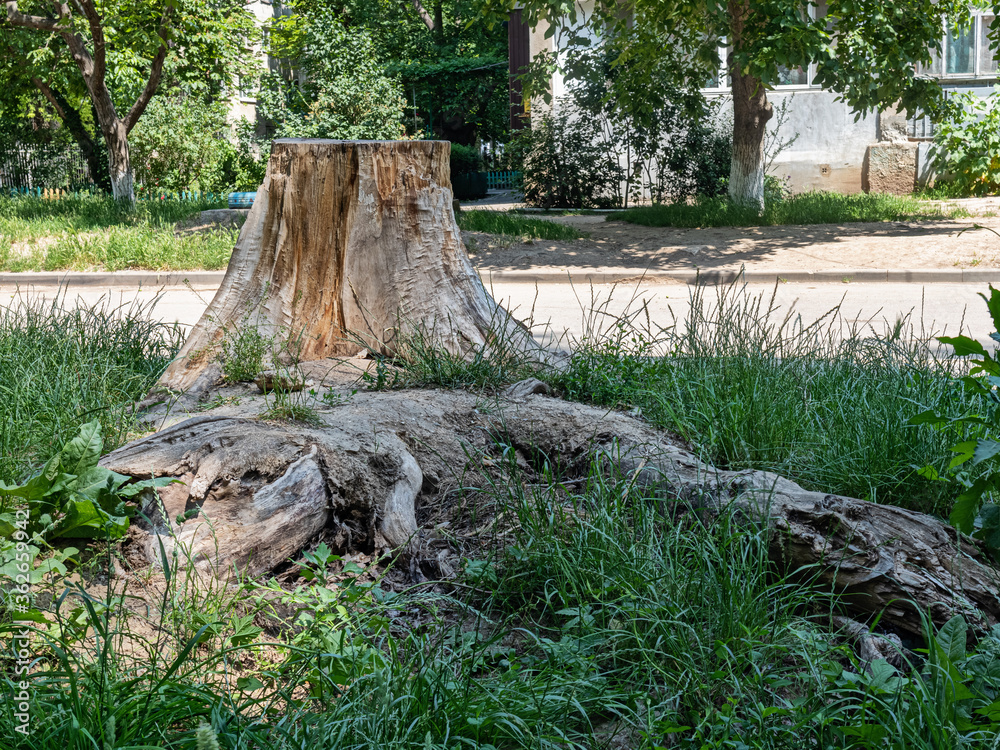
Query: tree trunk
{"x": 751, "y": 112}
{"x": 349, "y": 245}
{"x": 122, "y": 187}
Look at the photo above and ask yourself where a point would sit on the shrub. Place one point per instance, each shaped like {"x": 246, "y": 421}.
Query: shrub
{"x": 967, "y": 145}
{"x": 564, "y": 164}
{"x": 181, "y": 143}
{"x": 465, "y": 159}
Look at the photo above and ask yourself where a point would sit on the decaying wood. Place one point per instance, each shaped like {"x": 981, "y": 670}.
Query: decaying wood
{"x": 348, "y": 244}
{"x": 364, "y": 474}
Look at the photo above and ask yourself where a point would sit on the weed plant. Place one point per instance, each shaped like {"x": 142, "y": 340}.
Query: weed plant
{"x": 497, "y": 222}
{"x": 62, "y": 365}
{"x": 804, "y": 208}
{"x": 750, "y": 385}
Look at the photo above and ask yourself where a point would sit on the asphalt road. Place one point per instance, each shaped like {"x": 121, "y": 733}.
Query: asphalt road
{"x": 567, "y": 312}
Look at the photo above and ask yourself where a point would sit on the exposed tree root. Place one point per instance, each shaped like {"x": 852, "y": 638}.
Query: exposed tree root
{"x": 381, "y": 461}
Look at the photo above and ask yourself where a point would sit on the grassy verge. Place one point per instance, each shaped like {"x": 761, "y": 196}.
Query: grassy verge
{"x": 589, "y": 614}
{"x": 91, "y": 233}
{"x": 497, "y": 222}
{"x": 753, "y": 386}
{"x": 602, "y": 621}
{"x": 63, "y": 365}
{"x": 804, "y": 208}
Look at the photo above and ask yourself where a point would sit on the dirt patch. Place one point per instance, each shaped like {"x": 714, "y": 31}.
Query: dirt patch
{"x": 952, "y": 243}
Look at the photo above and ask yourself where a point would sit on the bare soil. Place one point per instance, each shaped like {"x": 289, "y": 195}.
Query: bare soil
{"x": 951, "y": 243}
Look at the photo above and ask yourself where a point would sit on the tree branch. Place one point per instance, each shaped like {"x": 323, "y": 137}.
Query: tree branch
{"x": 48, "y": 94}
{"x": 99, "y": 57}
{"x": 17, "y": 18}
{"x": 424, "y": 15}
{"x": 155, "y": 74}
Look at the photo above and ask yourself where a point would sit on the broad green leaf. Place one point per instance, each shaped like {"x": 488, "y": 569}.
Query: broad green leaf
{"x": 82, "y": 452}
{"x": 85, "y": 520}
{"x": 964, "y": 452}
{"x": 989, "y": 532}
{"x": 963, "y": 514}
{"x": 985, "y": 450}
{"x": 993, "y": 304}
{"x": 93, "y": 480}
{"x": 964, "y": 345}
{"x": 928, "y": 417}
{"x": 951, "y": 639}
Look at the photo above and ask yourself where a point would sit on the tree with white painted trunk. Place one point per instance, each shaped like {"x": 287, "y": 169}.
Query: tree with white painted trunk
{"x": 82, "y": 55}
{"x": 868, "y": 51}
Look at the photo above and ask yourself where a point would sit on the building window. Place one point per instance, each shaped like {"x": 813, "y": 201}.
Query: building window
{"x": 965, "y": 52}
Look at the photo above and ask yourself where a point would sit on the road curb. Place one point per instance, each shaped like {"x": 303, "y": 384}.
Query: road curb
{"x": 151, "y": 279}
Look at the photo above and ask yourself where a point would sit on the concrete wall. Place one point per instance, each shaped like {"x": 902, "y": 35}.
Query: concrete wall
{"x": 830, "y": 149}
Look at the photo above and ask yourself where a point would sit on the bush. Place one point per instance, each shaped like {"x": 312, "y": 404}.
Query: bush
{"x": 564, "y": 164}
{"x": 465, "y": 159}
{"x": 181, "y": 143}
{"x": 694, "y": 161}
{"x": 246, "y": 163}
{"x": 967, "y": 145}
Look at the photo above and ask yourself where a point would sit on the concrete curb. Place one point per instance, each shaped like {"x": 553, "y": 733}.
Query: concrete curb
{"x": 729, "y": 276}
{"x": 153, "y": 280}
{"x": 116, "y": 279}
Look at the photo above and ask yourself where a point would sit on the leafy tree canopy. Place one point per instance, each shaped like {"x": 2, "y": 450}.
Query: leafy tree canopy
{"x": 451, "y": 65}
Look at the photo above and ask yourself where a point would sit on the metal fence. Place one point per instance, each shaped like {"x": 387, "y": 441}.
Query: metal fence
{"x": 34, "y": 166}
{"x": 502, "y": 180}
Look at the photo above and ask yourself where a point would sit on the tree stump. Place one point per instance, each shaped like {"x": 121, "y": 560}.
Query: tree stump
{"x": 349, "y": 244}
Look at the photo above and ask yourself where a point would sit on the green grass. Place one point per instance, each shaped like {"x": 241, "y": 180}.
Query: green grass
{"x": 497, "y": 222}
{"x": 804, "y": 208}
{"x": 592, "y": 615}
{"x": 63, "y": 365}
{"x": 606, "y": 619}
{"x": 94, "y": 233}
{"x": 750, "y": 386}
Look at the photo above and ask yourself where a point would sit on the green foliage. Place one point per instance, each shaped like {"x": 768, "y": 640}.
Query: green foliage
{"x": 974, "y": 462}
{"x": 465, "y": 159}
{"x": 564, "y": 164}
{"x": 347, "y": 95}
{"x": 244, "y": 351}
{"x": 246, "y": 164}
{"x": 181, "y": 143}
{"x": 72, "y": 497}
{"x": 670, "y": 141}
{"x": 967, "y": 145}
{"x": 63, "y": 365}
{"x": 779, "y": 209}
{"x": 207, "y": 53}
{"x": 514, "y": 225}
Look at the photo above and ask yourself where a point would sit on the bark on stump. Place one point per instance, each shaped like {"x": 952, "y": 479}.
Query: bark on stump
{"x": 349, "y": 244}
